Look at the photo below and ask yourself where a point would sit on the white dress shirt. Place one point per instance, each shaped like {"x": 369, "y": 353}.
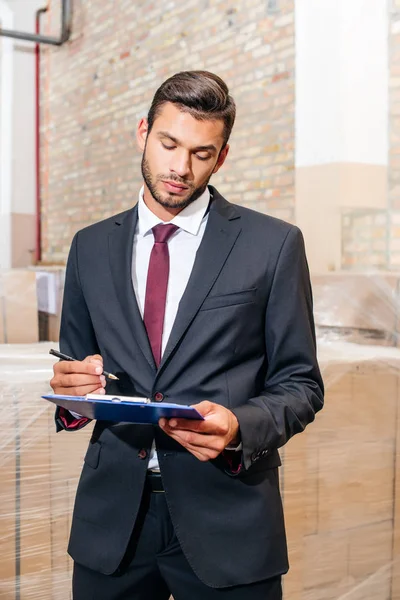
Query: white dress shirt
{"x": 182, "y": 246}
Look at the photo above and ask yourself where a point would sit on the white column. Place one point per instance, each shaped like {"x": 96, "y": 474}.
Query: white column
{"x": 6, "y": 147}
{"x": 341, "y": 117}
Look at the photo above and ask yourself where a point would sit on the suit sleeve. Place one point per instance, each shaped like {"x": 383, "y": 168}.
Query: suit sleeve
{"x": 293, "y": 390}
{"x": 77, "y": 336}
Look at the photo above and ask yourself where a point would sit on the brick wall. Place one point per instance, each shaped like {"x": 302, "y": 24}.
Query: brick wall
{"x": 365, "y": 242}
{"x": 96, "y": 87}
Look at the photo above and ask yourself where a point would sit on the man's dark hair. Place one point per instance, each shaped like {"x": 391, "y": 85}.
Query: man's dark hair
{"x": 201, "y": 94}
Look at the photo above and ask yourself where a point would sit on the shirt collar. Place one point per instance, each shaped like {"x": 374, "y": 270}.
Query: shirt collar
{"x": 189, "y": 219}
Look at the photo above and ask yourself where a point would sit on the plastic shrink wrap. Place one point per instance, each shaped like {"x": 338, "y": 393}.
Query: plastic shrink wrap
{"x": 340, "y": 479}
{"x": 39, "y": 470}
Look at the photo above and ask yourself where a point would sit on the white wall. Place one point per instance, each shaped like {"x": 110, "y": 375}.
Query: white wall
{"x": 6, "y": 116}
{"x": 18, "y": 134}
{"x": 342, "y": 78}
{"x": 342, "y": 109}
{"x": 24, "y": 176}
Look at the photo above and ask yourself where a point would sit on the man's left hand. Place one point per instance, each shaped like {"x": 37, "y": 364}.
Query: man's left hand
{"x": 205, "y": 439}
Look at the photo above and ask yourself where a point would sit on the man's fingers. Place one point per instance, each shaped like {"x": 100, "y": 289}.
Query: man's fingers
{"x": 203, "y": 454}
{"x": 205, "y": 407}
{"x": 199, "y": 452}
{"x": 77, "y": 367}
{"x": 206, "y": 443}
{"x": 78, "y": 380}
{"x": 79, "y": 390}
{"x": 195, "y": 440}
{"x": 94, "y": 358}
{"x": 210, "y": 426}
{"x": 188, "y": 424}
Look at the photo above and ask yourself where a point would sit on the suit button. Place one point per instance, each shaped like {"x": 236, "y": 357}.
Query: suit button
{"x": 158, "y": 397}
{"x": 142, "y": 453}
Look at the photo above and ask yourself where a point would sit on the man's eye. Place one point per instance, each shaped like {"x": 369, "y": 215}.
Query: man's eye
{"x": 202, "y": 157}
{"x": 167, "y": 147}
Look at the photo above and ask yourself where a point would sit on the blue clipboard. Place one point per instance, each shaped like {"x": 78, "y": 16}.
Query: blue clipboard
{"x": 123, "y": 408}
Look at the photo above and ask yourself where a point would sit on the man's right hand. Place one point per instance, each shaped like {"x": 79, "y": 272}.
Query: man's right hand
{"x": 78, "y": 378}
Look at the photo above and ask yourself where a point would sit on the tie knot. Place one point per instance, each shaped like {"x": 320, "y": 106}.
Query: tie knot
{"x": 162, "y": 233}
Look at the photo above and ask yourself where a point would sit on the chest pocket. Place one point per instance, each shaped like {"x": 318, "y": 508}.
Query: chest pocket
{"x": 232, "y": 299}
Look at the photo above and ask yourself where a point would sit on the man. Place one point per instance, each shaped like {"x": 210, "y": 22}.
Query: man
{"x": 188, "y": 299}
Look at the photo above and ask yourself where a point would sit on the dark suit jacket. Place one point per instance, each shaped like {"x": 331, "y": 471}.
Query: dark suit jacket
{"x": 243, "y": 337}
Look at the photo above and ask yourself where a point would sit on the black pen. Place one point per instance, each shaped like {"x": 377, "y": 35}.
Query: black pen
{"x": 65, "y": 357}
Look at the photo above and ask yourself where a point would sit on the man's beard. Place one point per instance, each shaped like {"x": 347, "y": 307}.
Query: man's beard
{"x": 171, "y": 201}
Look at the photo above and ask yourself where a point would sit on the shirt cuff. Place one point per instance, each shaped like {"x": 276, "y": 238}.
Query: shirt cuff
{"x": 233, "y": 461}
{"x": 235, "y": 448}
{"x": 71, "y": 420}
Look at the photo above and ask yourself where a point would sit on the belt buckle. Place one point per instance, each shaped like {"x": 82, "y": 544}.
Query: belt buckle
{"x": 153, "y": 478}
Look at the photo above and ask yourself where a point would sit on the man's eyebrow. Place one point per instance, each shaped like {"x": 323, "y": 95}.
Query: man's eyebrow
{"x": 209, "y": 147}
{"x": 161, "y": 134}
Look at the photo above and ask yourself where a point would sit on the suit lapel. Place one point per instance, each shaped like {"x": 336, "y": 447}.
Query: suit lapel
{"x": 222, "y": 230}
{"x": 120, "y": 255}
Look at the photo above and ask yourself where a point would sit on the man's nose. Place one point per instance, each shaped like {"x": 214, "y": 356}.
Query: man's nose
{"x": 180, "y": 164}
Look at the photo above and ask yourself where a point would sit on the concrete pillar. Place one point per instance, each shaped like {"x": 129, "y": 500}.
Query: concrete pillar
{"x": 341, "y": 120}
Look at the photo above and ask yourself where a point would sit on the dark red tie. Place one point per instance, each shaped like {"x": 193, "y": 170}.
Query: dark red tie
{"x": 156, "y": 288}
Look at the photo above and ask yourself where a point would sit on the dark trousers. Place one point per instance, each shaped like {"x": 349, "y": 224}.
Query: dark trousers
{"x": 155, "y": 567}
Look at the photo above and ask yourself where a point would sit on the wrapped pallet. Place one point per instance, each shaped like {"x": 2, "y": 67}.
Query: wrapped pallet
{"x": 39, "y": 472}
{"x": 340, "y": 481}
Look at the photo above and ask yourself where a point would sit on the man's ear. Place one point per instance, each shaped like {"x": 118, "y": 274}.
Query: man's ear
{"x": 221, "y": 158}
{"x": 141, "y": 133}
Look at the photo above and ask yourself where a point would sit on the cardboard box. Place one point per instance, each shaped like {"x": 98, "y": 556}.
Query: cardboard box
{"x": 39, "y": 471}
{"x": 348, "y": 542}
{"x": 18, "y": 307}
{"x": 340, "y": 481}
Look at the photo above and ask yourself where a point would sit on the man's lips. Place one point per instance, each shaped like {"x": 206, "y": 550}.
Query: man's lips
{"x": 175, "y": 187}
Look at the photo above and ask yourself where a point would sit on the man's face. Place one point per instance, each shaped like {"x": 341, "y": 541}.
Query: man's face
{"x": 179, "y": 156}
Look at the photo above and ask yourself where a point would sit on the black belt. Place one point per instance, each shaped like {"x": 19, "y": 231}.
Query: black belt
{"x": 154, "y": 481}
